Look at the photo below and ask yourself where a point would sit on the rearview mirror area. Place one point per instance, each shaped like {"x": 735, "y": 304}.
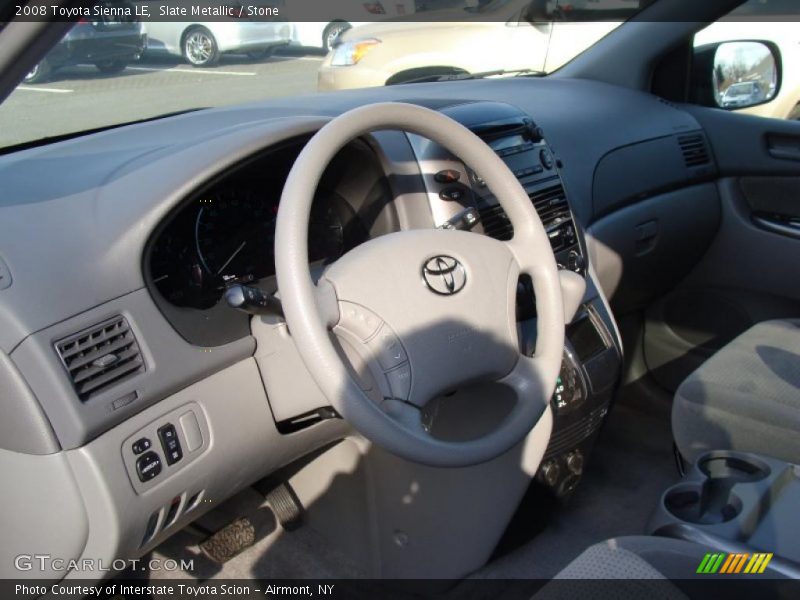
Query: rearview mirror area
{"x": 736, "y": 75}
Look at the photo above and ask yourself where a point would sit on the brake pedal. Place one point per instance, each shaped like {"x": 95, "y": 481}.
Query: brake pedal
{"x": 229, "y": 541}
{"x": 287, "y": 506}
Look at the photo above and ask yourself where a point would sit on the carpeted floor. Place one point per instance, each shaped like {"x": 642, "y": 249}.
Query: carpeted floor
{"x": 631, "y": 466}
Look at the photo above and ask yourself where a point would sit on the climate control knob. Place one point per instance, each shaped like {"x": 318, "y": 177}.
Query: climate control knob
{"x": 575, "y": 262}
{"x": 551, "y": 472}
{"x": 575, "y": 462}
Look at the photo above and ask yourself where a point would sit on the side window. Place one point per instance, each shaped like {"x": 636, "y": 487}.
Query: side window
{"x": 752, "y": 57}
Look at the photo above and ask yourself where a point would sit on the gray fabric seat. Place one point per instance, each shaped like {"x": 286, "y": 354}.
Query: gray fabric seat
{"x": 636, "y": 557}
{"x": 746, "y": 397}
{"x": 630, "y": 567}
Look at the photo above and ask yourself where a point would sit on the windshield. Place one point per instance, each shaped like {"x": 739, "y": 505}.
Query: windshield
{"x": 129, "y": 60}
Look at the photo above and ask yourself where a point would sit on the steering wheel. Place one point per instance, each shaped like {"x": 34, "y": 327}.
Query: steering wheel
{"x": 406, "y": 317}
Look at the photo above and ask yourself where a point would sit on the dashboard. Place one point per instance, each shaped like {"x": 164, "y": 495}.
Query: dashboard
{"x": 146, "y": 226}
{"x": 173, "y": 211}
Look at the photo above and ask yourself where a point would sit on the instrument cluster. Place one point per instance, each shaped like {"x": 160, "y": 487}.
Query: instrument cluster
{"x": 225, "y": 234}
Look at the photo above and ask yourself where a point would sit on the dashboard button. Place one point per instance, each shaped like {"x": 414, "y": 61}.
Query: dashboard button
{"x": 141, "y": 445}
{"x": 400, "y": 381}
{"x": 546, "y": 158}
{"x": 387, "y": 348}
{"x": 148, "y": 466}
{"x": 447, "y": 176}
{"x": 452, "y": 194}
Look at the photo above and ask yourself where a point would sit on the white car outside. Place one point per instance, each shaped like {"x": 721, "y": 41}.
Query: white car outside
{"x": 378, "y": 54}
{"x": 202, "y": 43}
{"x": 336, "y": 17}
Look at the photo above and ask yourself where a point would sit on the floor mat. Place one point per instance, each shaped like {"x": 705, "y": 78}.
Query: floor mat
{"x": 631, "y": 466}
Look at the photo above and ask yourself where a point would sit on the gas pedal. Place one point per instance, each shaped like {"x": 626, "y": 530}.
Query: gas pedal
{"x": 287, "y": 506}
{"x": 229, "y": 541}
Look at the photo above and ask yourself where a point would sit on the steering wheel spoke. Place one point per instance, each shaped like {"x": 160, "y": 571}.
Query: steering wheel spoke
{"x": 526, "y": 378}
{"x": 407, "y": 415}
{"x": 327, "y": 303}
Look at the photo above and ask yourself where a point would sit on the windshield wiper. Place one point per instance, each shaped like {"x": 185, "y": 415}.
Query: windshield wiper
{"x": 433, "y": 77}
{"x": 484, "y": 74}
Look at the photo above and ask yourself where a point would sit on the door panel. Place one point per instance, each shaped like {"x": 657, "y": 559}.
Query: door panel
{"x": 750, "y": 272}
{"x": 744, "y": 254}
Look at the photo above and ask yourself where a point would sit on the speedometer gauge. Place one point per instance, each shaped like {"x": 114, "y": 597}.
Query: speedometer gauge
{"x": 235, "y": 231}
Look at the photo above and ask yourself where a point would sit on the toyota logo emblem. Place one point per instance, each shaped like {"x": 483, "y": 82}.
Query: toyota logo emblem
{"x": 444, "y": 275}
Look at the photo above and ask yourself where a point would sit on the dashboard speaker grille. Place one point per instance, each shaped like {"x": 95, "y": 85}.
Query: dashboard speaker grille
{"x": 100, "y": 356}
{"x": 694, "y": 149}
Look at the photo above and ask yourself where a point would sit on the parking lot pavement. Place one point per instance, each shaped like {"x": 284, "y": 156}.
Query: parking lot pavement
{"x": 79, "y": 98}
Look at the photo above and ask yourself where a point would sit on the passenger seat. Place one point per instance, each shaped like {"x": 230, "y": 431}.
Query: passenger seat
{"x": 746, "y": 397}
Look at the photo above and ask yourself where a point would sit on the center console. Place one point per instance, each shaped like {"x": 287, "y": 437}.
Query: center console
{"x": 742, "y": 504}
{"x": 592, "y": 357}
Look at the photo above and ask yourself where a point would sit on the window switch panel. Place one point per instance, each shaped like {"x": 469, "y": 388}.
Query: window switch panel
{"x": 170, "y": 443}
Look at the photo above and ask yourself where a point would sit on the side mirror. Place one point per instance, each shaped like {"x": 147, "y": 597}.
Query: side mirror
{"x": 736, "y": 75}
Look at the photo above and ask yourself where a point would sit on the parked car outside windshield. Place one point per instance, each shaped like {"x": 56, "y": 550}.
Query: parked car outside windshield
{"x": 110, "y": 44}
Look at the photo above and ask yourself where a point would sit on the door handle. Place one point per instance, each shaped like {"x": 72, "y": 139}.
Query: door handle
{"x": 786, "y": 147}
{"x": 646, "y": 237}
{"x": 787, "y": 226}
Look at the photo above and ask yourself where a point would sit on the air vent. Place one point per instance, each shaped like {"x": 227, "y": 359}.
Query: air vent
{"x": 695, "y": 151}
{"x": 550, "y": 202}
{"x": 100, "y": 356}
{"x": 496, "y": 223}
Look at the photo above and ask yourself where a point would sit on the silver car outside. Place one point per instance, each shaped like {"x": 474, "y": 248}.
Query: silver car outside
{"x": 201, "y": 43}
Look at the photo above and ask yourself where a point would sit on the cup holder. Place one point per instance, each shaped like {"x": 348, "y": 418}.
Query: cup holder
{"x": 732, "y": 468}
{"x": 702, "y": 504}
{"x": 711, "y": 500}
